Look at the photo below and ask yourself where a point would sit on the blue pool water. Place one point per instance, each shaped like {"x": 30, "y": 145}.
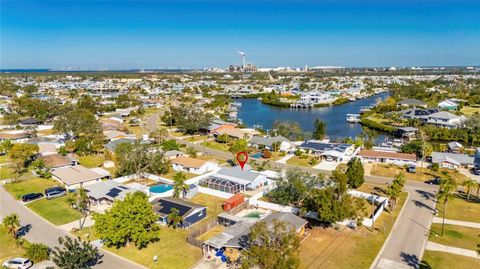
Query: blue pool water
{"x": 161, "y": 188}
{"x": 257, "y": 155}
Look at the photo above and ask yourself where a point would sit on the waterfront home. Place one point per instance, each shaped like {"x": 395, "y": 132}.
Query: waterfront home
{"x": 336, "y": 151}
{"x": 445, "y": 119}
{"x": 75, "y": 176}
{"x": 191, "y": 213}
{"x": 388, "y": 157}
{"x": 420, "y": 114}
{"x": 448, "y": 104}
{"x": 234, "y": 179}
{"x": 408, "y": 133}
{"x": 29, "y": 122}
{"x": 452, "y": 160}
{"x": 275, "y": 143}
{"x": 193, "y": 165}
{"x": 455, "y": 147}
{"x": 411, "y": 103}
{"x": 230, "y": 131}
{"x": 234, "y": 239}
{"x": 316, "y": 97}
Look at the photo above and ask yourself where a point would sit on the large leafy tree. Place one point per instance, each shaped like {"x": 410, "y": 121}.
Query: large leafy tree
{"x": 189, "y": 118}
{"x": 448, "y": 187}
{"x": 237, "y": 146}
{"x": 320, "y": 130}
{"x": 74, "y": 254}
{"x": 130, "y": 220}
{"x": 288, "y": 129}
{"x": 473, "y": 125}
{"x": 21, "y": 154}
{"x": 179, "y": 185}
{"x": 271, "y": 245}
{"x": 159, "y": 135}
{"x": 139, "y": 158}
{"x": 26, "y": 107}
{"x": 12, "y": 223}
{"x": 355, "y": 173}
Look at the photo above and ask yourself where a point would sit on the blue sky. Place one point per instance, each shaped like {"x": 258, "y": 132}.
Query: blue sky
{"x": 197, "y": 34}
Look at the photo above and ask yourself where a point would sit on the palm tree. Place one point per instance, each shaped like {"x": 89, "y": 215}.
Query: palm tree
{"x": 469, "y": 186}
{"x": 12, "y": 223}
{"x": 447, "y": 189}
{"x": 174, "y": 218}
{"x": 179, "y": 185}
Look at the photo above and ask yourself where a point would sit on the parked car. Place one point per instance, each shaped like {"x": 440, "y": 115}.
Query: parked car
{"x": 476, "y": 169}
{"x": 18, "y": 263}
{"x": 434, "y": 181}
{"x": 231, "y": 162}
{"x": 31, "y": 196}
{"x": 55, "y": 192}
{"x": 412, "y": 169}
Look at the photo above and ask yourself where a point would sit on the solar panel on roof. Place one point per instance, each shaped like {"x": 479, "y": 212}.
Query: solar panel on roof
{"x": 166, "y": 207}
{"x": 122, "y": 187}
{"x": 112, "y": 194}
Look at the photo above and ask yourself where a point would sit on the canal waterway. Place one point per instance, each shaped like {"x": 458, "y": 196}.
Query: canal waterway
{"x": 253, "y": 112}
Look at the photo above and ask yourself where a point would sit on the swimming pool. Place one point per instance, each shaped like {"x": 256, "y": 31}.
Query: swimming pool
{"x": 161, "y": 188}
{"x": 257, "y": 155}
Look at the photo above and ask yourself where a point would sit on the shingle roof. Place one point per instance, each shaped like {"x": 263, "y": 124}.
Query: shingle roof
{"x": 386, "y": 154}
{"x": 267, "y": 141}
{"x": 189, "y": 162}
{"x": 75, "y": 174}
{"x": 109, "y": 189}
{"x": 236, "y": 174}
{"x": 412, "y": 102}
{"x": 112, "y": 145}
{"x": 459, "y": 159}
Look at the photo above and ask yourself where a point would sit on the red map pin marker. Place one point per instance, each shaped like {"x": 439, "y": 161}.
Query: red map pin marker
{"x": 242, "y": 160}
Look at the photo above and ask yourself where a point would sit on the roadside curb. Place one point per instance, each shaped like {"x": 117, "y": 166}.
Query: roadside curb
{"x": 377, "y": 258}
{"x": 426, "y": 239}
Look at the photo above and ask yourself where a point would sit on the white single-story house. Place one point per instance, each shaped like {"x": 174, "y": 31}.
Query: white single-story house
{"x": 337, "y": 151}
{"x": 75, "y": 176}
{"x": 106, "y": 192}
{"x": 389, "y": 157}
{"x": 452, "y": 160}
{"x": 276, "y": 143}
{"x": 193, "y": 165}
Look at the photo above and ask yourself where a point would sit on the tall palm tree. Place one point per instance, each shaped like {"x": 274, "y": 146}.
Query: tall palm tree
{"x": 469, "y": 186}
{"x": 174, "y": 218}
{"x": 12, "y": 223}
{"x": 446, "y": 192}
{"x": 179, "y": 185}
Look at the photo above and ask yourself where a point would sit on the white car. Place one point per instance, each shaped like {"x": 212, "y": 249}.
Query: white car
{"x": 18, "y": 263}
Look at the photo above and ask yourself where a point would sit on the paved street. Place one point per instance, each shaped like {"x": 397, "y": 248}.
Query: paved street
{"x": 405, "y": 245}
{"x": 42, "y": 231}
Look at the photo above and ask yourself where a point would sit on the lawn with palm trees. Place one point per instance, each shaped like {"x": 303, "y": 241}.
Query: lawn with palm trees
{"x": 8, "y": 247}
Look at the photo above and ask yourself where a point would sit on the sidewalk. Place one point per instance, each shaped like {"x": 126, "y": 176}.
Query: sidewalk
{"x": 75, "y": 224}
{"x": 457, "y": 222}
{"x": 453, "y": 250}
{"x": 285, "y": 159}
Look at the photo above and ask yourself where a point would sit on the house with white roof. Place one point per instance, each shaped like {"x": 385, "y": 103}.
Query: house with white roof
{"x": 193, "y": 165}
{"x": 445, "y": 119}
{"x": 276, "y": 143}
{"x": 448, "y": 104}
{"x": 234, "y": 179}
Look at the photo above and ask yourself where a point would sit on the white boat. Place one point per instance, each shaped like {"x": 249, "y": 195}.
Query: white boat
{"x": 237, "y": 104}
{"x": 353, "y": 118}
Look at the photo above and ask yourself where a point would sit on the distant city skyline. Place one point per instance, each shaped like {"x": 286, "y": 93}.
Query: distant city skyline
{"x": 118, "y": 35}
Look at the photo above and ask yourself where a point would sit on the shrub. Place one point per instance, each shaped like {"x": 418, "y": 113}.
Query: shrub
{"x": 266, "y": 154}
{"x": 37, "y": 252}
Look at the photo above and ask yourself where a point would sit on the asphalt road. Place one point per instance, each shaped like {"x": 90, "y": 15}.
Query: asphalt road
{"x": 42, "y": 231}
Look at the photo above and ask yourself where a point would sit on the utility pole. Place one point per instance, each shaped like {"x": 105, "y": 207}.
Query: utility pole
{"x": 373, "y": 209}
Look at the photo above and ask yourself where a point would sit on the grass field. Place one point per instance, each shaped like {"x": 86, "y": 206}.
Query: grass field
{"x": 213, "y": 204}
{"x": 455, "y": 236}
{"x": 91, "y": 161}
{"x": 171, "y": 173}
{"x": 215, "y": 145}
{"x": 461, "y": 209}
{"x": 295, "y": 160}
{"x": 172, "y": 251}
{"x": 5, "y": 172}
{"x": 8, "y": 246}
{"x": 442, "y": 260}
{"x": 218, "y": 229}
{"x": 469, "y": 110}
{"x": 197, "y": 138}
{"x": 346, "y": 248}
{"x": 58, "y": 211}
{"x": 138, "y": 131}
{"x": 18, "y": 189}
{"x": 421, "y": 174}
{"x": 4, "y": 159}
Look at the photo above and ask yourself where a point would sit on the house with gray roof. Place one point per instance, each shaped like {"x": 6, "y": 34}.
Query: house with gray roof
{"x": 279, "y": 142}
{"x": 106, "y": 192}
{"x": 112, "y": 145}
{"x": 412, "y": 103}
{"x": 234, "y": 179}
{"x": 445, "y": 119}
{"x": 452, "y": 160}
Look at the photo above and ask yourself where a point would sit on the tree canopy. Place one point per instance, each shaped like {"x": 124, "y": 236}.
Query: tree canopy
{"x": 319, "y": 130}
{"x": 288, "y": 129}
{"x": 138, "y": 158}
{"x": 130, "y": 220}
{"x": 355, "y": 173}
{"x": 75, "y": 254}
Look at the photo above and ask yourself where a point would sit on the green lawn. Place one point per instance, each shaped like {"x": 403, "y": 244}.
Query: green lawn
{"x": 345, "y": 248}
{"x": 58, "y": 211}
{"x": 197, "y": 138}
{"x": 91, "y": 161}
{"x": 422, "y": 174}
{"x": 5, "y": 172}
{"x": 213, "y": 204}
{"x": 295, "y": 160}
{"x": 461, "y": 209}
{"x": 215, "y": 145}
{"x": 171, "y": 173}
{"x": 442, "y": 260}
{"x": 455, "y": 236}
{"x": 4, "y": 159}
{"x": 18, "y": 189}
{"x": 172, "y": 251}
{"x": 8, "y": 246}
{"x": 468, "y": 110}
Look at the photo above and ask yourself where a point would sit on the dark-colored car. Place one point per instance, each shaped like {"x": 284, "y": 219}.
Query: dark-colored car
{"x": 31, "y": 196}
{"x": 476, "y": 169}
{"x": 434, "y": 181}
{"x": 231, "y": 162}
{"x": 55, "y": 192}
